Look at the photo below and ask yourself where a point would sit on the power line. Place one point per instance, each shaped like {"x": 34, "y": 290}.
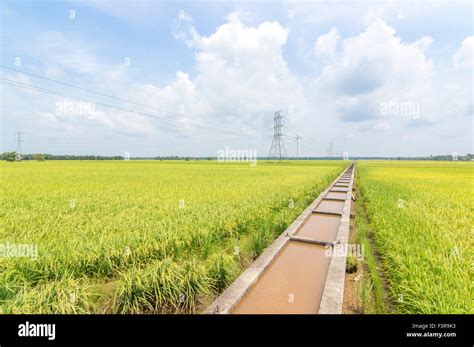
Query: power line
{"x": 187, "y": 115}
{"x": 18, "y": 146}
{"x": 53, "y": 92}
{"x": 297, "y": 138}
{"x": 330, "y": 149}
{"x": 190, "y": 116}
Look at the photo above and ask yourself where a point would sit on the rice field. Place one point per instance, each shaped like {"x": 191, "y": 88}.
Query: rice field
{"x": 422, "y": 221}
{"x": 142, "y": 236}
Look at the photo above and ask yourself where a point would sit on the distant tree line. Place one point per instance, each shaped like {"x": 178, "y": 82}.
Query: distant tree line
{"x": 12, "y": 156}
{"x": 466, "y": 157}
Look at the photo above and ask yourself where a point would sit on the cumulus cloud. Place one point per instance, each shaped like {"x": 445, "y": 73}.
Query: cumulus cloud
{"x": 374, "y": 67}
{"x": 241, "y": 71}
{"x": 464, "y": 56}
{"x": 326, "y": 45}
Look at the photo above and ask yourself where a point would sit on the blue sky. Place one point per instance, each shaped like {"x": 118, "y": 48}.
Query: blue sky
{"x": 374, "y": 78}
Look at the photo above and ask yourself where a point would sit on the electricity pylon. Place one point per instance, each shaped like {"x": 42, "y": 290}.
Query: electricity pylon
{"x": 277, "y": 149}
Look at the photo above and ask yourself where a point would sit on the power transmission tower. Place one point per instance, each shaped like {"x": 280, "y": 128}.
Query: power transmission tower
{"x": 18, "y": 146}
{"x": 297, "y": 138}
{"x": 277, "y": 149}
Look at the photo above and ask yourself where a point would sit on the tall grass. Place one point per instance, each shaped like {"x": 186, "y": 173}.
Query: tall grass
{"x": 421, "y": 215}
{"x": 129, "y": 228}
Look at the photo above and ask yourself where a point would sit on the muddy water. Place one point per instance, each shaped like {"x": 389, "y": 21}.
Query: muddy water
{"x": 321, "y": 227}
{"x": 330, "y": 206}
{"x": 293, "y": 283}
{"x": 336, "y": 195}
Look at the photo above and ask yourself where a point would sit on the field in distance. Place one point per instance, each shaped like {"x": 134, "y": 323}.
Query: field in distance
{"x": 142, "y": 236}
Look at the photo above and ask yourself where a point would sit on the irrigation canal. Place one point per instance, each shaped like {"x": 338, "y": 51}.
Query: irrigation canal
{"x": 303, "y": 270}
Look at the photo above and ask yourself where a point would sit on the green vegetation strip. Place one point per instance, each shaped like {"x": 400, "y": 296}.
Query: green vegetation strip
{"x": 373, "y": 295}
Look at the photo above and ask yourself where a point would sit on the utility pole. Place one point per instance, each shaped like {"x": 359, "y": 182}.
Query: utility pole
{"x": 297, "y": 138}
{"x": 330, "y": 150}
{"x": 277, "y": 149}
{"x": 18, "y": 146}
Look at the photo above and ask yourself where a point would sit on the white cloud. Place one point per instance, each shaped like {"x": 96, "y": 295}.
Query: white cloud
{"x": 424, "y": 43}
{"x": 326, "y": 44}
{"x": 464, "y": 56}
{"x": 241, "y": 71}
{"x": 374, "y": 67}
{"x": 377, "y": 68}
{"x": 183, "y": 29}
